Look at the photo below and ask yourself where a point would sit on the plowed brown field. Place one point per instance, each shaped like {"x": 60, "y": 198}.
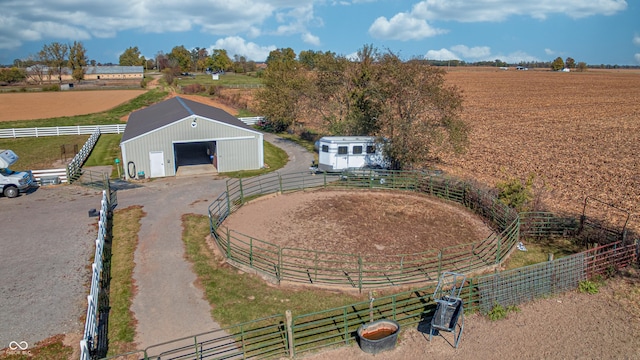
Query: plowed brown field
{"x": 44, "y": 105}
{"x": 579, "y": 133}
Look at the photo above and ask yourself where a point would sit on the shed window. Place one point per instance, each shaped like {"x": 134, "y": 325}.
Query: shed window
{"x": 357, "y": 149}
{"x": 371, "y": 149}
{"x": 342, "y": 150}
{"x": 325, "y": 148}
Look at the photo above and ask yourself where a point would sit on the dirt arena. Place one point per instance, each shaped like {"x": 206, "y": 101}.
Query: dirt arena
{"x": 358, "y": 222}
{"x": 44, "y": 105}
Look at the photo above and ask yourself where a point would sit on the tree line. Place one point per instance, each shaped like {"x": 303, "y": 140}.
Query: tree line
{"x": 405, "y": 104}
{"x": 54, "y": 58}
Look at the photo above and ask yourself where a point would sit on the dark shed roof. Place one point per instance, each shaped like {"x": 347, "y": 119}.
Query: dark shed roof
{"x": 172, "y": 110}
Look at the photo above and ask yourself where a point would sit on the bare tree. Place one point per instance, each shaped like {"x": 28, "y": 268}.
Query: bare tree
{"x": 54, "y": 56}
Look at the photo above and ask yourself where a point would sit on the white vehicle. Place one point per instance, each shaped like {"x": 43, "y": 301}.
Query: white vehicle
{"x": 338, "y": 153}
{"x": 11, "y": 182}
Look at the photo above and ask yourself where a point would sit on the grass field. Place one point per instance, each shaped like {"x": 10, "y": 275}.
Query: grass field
{"x": 227, "y": 79}
{"x": 44, "y": 152}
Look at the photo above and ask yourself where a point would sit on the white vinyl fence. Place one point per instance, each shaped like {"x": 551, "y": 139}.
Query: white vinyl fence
{"x": 88, "y": 342}
{"x": 61, "y": 174}
{"x": 251, "y": 120}
{"x": 61, "y": 130}
{"x": 74, "y": 168}
{"x": 84, "y": 129}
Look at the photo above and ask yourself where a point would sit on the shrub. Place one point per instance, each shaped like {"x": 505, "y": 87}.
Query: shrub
{"x": 193, "y": 89}
{"x": 589, "y": 287}
{"x": 52, "y": 87}
{"x": 499, "y": 312}
{"x": 516, "y": 194}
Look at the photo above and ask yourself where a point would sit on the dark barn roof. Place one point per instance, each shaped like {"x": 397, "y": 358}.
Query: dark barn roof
{"x": 172, "y": 110}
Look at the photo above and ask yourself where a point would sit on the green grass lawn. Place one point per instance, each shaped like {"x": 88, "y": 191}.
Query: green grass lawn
{"x": 237, "y": 297}
{"x": 226, "y": 79}
{"x": 122, "y": 328}
{"x": 43, "y": 152}
{"x": 538, "y": 251}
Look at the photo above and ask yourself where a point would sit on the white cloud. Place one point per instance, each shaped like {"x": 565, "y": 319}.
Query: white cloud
{"x": 637, "y": 57}
{"x": 636, "y": 39}
{"x": 309, "y": 38}
{"x": 477, "y": 52}
{"x": 549, "y": 51}
{"x": 57, "y": 19}
{"x": 236, "y": 45}
{"x": 514, "y": 57}
{"x": 499, "y": 10}
{"x": 442, "y": 54}
{"x": 402, "y": 26}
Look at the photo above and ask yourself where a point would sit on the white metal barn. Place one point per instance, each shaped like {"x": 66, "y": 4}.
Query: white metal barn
{"x": 337, "y": 153}
{"x": 179, "y": 132}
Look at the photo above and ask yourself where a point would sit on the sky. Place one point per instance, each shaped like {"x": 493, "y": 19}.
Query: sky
{"x": 591, "y": 31}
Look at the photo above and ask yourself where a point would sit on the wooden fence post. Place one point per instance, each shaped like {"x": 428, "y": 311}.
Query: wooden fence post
{"x": 371, "y": 299}
{"x": 289, "y": 319}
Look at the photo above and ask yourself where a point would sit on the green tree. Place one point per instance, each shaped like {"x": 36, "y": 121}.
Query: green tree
{"x": 77, "y": 60}
{"x": 150, "y": 64}
{"x": 407, "y": 103}
{"x": 12, "y": 75}
{"x": 131, "y": 57}
{"x": 182, "y": 57}
{"x": 239, "y": 64}
{"x": 220, "y": 61}
{"x": 557, "y": 64}
{"x": 199, "y": 58}
{"x": 516, "y": 194}
{"x": 582, "y": 66}
{"x": 570, "y": 63}
{"x": 329, "y": 97}
{"x": 418, "y": 113}
{"x": 500, "y": 63}
{"x": 54, "y": 56}
{"x": 279, "y": 99}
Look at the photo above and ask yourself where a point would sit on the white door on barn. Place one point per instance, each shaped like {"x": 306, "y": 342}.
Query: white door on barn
{"x": 156, "y": 163}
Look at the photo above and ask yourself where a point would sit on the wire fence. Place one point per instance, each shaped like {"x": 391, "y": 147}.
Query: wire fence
{"x": 285, "y": 335}
{"x": 289, "y": 335}
{"x": 362, "y": 271}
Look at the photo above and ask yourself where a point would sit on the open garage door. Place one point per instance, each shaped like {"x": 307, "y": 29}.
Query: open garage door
{"x": 195, "y": 157}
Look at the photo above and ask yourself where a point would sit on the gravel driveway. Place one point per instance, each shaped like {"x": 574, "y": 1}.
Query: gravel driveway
{"x": 47, "y": 247}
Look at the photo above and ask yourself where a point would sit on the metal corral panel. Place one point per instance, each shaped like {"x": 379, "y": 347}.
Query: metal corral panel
{"x": 237, "y": 148}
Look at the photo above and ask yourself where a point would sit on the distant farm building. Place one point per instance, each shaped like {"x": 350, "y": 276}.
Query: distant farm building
{"x": 39, "y": 72}
{"x": 179, "y": 134}
{"x": 114, "y": 73}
